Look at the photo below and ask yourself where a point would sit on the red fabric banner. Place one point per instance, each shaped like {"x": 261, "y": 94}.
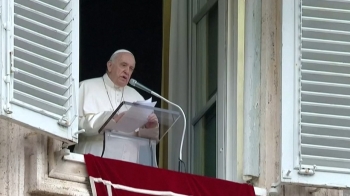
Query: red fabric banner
{"x": 113, "y": 177}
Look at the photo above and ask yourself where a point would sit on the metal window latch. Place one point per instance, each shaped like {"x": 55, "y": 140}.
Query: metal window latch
{"x": 307, "y": 171}
{"x": 63, "y": 121}
{"x": 7, "y": 109}
{"x": 287, "y": 174}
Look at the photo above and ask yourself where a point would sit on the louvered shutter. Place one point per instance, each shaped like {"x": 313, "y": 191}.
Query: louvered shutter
{"x": 316, "y": 109}
{"x": 41, "y": 67}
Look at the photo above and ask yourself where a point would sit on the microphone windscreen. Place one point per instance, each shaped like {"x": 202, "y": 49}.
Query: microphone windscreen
{"x": 132, "y": 82}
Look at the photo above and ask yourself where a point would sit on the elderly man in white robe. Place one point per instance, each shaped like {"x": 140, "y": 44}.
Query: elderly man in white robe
{"x": 99, "y": 97}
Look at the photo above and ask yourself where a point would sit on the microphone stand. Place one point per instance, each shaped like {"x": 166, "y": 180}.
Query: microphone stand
{"x": 184, "y": 128}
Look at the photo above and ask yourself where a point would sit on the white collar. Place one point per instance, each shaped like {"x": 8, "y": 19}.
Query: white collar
{"x": 110, "y": 83}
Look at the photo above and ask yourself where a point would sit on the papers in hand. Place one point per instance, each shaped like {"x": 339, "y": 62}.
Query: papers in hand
{"x": 147, "y": 102}
{"x": 135, "y": 117}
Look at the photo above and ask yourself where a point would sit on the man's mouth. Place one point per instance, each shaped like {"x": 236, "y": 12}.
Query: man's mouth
{"x": 124, "y": 77}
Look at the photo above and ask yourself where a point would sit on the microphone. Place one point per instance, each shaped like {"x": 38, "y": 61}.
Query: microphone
{"x": 136, "y": 84}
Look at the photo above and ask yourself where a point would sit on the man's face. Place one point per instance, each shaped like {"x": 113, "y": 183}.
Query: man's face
{"x": 121, "y": 68}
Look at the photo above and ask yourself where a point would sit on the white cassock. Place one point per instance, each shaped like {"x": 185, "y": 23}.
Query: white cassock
{"x": 95, "y": 106}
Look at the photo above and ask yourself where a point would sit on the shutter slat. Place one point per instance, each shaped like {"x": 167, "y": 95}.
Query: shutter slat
{"x": 321, "y": 129}
{"x": 40, "y": 82}
{"x": 40, "y": 17}
{"x": 326, "y": 119}
{"x": 337, "y": 4}
{"x": 326, "y": 98}
{"x": 326, "y": 20}
{"x": 40, "y": 38}
{"x": 34, "y": 101}
{"x": 40, "y": 60}
{"x": 331, "y": 63}
{"x": 325, "y": 87}
{"x": 326, "y": 162}
{"x": 310, "y": 114}
{"x": 328, "y": 127}
{"x": 325, "y": 52}
{"x": 46, "y": 8}
{"x": 325, "y": 66}
{"x": 329, "y": 34}
{"x": 327, "y": 77}
{"x": 337, "y": 86}
{"x": 58, "y": 3}
{"x": 39, "y": 27}
{"x": 337, "y": 142}
{"x": 326, "y": 23}
{"x": 326, "y": 9}
{"x": 326, "y": 31}
{"x": 303, "y": 103}
{"x": 327, "y": 95}
{"x": 40, "y": 93}
{"x": 322, "y": 73}
{"x": 329, "y": 148}
{"x": 325, "y": 14}
{"x": 40, "y": 71}
{"x": 326, "y": 44}
{"x": 327, "y": 151}
{"x": 338, "y": 139}
{"x": 40, "y": 49}
{"x": 323, "y": 41}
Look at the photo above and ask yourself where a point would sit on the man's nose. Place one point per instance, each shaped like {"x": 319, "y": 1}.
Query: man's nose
{"x": 127, "y": 71}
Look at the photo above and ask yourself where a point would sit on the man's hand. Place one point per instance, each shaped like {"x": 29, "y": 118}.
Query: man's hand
{"x": 152, "y": 121}
{"x": 116, "y": 118}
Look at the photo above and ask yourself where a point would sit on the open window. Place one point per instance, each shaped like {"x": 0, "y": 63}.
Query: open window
{"x": 40, "y": 65}
{"x": 213, "y": 83}
{"x": 315, "y": 93}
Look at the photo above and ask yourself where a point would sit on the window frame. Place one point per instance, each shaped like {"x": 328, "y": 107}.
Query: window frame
{"x": 226, "y": 95}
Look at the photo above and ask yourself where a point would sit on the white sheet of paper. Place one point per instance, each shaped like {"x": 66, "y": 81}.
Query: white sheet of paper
{"x": 134, "y": 118}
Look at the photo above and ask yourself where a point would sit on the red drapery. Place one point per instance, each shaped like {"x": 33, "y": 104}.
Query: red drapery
{"x": 112, "y": 177}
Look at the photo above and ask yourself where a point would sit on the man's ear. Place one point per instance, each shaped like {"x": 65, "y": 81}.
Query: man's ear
{"x": 109, "y": 66}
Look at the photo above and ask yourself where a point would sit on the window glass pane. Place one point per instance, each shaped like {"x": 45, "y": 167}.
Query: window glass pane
{"x": 201, "y": 3}
{"x": 212, "y": 74}
{"x": 206, "y": 57}
{"x": 205, "y": 144}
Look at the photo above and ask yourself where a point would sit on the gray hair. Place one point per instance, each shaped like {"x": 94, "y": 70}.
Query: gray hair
{"x": 117, "y": 52}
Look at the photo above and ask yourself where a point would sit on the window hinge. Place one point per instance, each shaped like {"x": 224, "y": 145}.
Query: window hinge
{"x": 307, "y": 171}
{"x": 4, "y": 24}
{"x": 7, "y": 79}
{"x": 12, "y": 67}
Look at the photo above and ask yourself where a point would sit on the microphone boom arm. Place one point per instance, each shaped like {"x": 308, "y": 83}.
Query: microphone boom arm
{"x": 142, "y": 87}
{"x": 184, "y": 127}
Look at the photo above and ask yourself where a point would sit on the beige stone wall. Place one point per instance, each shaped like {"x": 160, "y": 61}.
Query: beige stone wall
{"x": 12, "y": 162}
{"x": 270, "y": 98}
{"x": 29, "y": 166}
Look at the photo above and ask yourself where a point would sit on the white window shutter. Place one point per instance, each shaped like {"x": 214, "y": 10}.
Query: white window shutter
{"x": 40, "y": 65}
{"x": 316, "y": 92}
